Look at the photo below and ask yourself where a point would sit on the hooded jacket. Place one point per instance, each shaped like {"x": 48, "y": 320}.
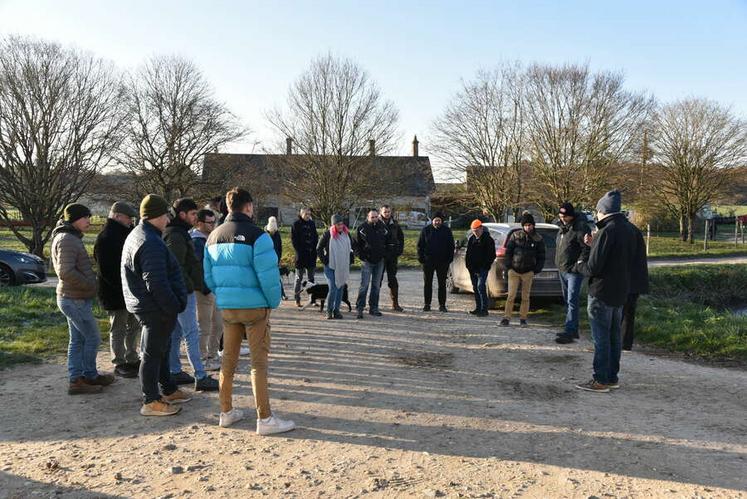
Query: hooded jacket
{"x": 569, "y": 246}
{"x": 304, "y": 239}
{"x": 151, "y": 278}
{"x": 177, "y": 239}
{"x": 436, "y": 246}
{"x": 72, "y": 263}
{"x": 107, "y": 251}
{"x": 372, "y": 242}
{"x": 480, "y": 252}
{"x": 610, "y": 260}
{"x": 525, "y": 252}
{"x": 241, "y": 266}
{"x": 639, "y": 270}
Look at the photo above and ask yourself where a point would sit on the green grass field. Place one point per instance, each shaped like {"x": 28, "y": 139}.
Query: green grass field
{"x": 32, "y": 328}
{"x": 688, "y": 311}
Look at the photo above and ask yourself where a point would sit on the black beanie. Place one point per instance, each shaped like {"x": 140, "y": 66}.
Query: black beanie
{"x": 526, "y": 218}
{"x": 75, "y": 212}
{"x": 567, "y": 209}
{"x": 439, "y": 214}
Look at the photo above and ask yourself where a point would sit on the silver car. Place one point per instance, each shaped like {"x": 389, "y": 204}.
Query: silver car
{"x": 546, "y": 283}
{"x": 21, "y": 268}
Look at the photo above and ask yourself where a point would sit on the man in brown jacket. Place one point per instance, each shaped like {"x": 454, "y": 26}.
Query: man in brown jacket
{"x": 76, "y": 288}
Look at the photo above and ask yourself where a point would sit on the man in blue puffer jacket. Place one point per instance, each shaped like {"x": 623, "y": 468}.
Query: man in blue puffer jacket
{"x": 241, "y": 267}
{"x": 154, "y": 291}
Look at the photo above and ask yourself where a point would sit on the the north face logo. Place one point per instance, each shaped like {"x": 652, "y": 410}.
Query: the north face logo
{"x": 240, "y": 237}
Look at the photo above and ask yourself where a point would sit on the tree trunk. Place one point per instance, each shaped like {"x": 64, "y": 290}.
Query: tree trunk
{"x": 690, "y": 228}
{"x": 36, "y": 244}
{"x": 683, "y": 229}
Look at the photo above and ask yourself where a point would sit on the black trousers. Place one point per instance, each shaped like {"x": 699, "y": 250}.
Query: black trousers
{"x": 441, "y": 271}
{"x": 628, "y": 321}
{"x": 390, "y": 269}
{"x": 154, "y": 366}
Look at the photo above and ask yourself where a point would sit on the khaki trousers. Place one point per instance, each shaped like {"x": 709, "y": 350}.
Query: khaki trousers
{"x": 514, "y": 279}
{"x": 255, "y": 322}
{"x": 211, "y": 324}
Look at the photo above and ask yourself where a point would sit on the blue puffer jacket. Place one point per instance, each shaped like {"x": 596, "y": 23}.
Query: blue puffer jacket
{"x": 151, "y": 278}
{"x": 241, "y": 266}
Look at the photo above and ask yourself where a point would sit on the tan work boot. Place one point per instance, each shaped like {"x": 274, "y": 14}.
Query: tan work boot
{"x": 394, "y": 293}
{"x": 81, "y": 387}
{"x": 159, "y": 408}
{"x": 178, "y": 397}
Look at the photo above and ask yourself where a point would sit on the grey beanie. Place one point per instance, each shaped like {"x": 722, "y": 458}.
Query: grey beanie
{"x": 610, "y": 203}
{"x": 336, "y": 219}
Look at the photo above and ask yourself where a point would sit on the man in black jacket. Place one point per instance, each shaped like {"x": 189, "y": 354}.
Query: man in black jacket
{"x": 154, "y": 291}
{"x": 435, "y": 253}
{"x": 107, "y": 251}
{"x": 609, "y": 267}
{"x": 304, "y": 239}
{"x": 525, "y": 257}
{"x": 569, "y": 250}
{"x": 479, "y": 258}
{"x": 394, "y": 249}
{"x": 177, "y": 239}
{"x": 638, "y": 286}
{"x": 373, "y": 238}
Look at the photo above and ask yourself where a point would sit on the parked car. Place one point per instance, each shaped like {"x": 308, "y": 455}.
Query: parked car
{"x": 21, "y": 268}
{"x": 546, "y": 283}
{"x": 412, "y": 219}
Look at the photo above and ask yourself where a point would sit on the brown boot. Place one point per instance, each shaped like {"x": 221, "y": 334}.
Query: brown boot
{"x": 81, "y": 387}
{"x": 394, "y": 293}
{"x": 103, "y": 379}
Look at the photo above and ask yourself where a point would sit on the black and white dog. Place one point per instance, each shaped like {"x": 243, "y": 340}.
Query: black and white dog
{"x": 320, "y": 292}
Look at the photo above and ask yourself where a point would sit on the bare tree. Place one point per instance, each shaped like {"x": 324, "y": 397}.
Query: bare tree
{"x": 59, "y": 122}
{"x": 696, "y": 144}
{"x": 482, "y": 135}
{"x": 334, "y": 109}
{"x": 580, "y": 126}
{"x": 173, "y": 120}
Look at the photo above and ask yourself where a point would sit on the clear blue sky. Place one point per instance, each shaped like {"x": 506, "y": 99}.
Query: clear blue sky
{"x": 418, "y": 51}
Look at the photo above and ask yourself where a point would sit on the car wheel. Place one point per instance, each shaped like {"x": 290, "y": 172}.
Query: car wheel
{"x": 6, "y": 276}
{"x": 450, "y": 286}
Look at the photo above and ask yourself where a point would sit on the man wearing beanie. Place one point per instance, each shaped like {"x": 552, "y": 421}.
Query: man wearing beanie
{"x": 480, "y": 256}
{"x": 435, "y": 253}
{"x": 569, "y": 250}
{"x": 608, "y": 268}
{"x": 177, "y": 239}
{"x": 154, "y": 291}
{"x": 108, "y": 254}
{"x": 525, "y": 257}
{"x": 76, "y": 288}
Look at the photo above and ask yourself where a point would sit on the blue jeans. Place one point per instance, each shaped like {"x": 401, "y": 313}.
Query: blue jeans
{"x": 370, "y": 273}
{"x": 605, "y": 323}
{"x": 571, "y": 283}
{"x": 334, "y": 298}
{"x": 84, "y": 337}
{"x": 478, "y": 287}
{"x": 187, "y": 328}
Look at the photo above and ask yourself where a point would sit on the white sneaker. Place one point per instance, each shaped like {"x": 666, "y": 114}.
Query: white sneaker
{"x": 230, "y": 417}
{"x": 244, "y": 351}
{"x": 273, "y": 425}
{"x": 212, "y": 365}
{"x": 220, "y": 353}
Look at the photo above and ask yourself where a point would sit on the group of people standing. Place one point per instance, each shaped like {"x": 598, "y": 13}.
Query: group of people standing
{"x": 378, "y": 243}
{"x": 177, "y": 276}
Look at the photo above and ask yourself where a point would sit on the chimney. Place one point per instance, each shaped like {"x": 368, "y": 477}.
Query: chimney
{"x": 289, "y": 146}
{"x": 415, "y": 146}
{"x": 372, "y": 147}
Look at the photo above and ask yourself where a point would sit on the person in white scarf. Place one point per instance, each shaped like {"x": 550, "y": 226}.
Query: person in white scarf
{"x": 334, "y": 250}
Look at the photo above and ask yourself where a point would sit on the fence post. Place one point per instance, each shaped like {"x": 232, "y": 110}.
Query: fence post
{"x": 648, "y": 239}
{"x": 705, "y": 238}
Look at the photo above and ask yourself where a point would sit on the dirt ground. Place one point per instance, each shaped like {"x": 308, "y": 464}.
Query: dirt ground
{"x": 410, "y": 404}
